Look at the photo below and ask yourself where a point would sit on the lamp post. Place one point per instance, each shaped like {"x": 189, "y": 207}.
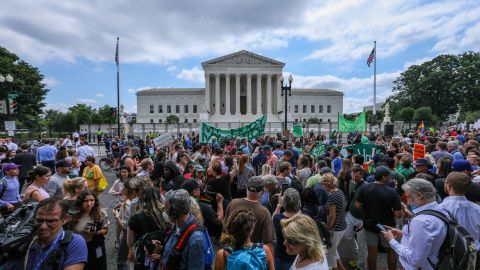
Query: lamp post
{"x": 8, "y": 79}
{"x": 285, "y": 89}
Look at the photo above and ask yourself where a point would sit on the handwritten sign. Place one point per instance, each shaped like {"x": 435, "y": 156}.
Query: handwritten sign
{"x": 418, "y": 151}
{"x": 163, "y": 140}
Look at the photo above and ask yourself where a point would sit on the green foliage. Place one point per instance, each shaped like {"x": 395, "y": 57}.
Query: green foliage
{"x": 405, "y": 114}
{"x": 447, "y": 84}
{"x": 77, "y": 115}
{"x": 470, "y": 117}
{"x": 313, "y": 120}
{"x": 27, "y": 82}
{"x": 425, "y": 114}
{"x": 172, "y": 119}
{"x": 369, "y": 115}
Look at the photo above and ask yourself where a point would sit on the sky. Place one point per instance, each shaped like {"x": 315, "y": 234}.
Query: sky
{"x": 325, "y": 44}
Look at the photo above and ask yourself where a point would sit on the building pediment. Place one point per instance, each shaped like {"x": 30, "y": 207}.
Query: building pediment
{"x": 243, "y": 58}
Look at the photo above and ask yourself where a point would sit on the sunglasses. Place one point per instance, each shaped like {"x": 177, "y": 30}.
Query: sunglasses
{"x": 292, "y": 242}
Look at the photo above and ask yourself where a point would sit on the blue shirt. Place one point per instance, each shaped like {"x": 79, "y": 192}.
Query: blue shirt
{"x": 46, "y": 153}
{"x": 457, "y": 155}
{"x": 75, "y": 253}
{"x": 278, "y": 153}
{"x": 85, "y": 151}
{"x": 422, "y": 239}
{"x": 193, "y": 257}
{"x": 337, "y": 165}
{"x": 11, "y": 195}
{"x": 466, "y": 213}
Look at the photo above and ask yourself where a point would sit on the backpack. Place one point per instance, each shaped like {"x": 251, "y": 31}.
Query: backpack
{"x": 54, "y": 258}
{"x": 16, "y": 232}
{"x": 4, "y": 186}
{"x": 458, "y": 250}
{"x": 175, "y": 256}
{"x": 325, "y": 235}
{"x": 253, "y": 258}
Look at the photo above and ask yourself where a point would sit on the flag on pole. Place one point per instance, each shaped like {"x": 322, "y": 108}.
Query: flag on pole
{"x": 371, "y": 57}
{"x": 116, "y": 53}
{"x": 421, "y": 127}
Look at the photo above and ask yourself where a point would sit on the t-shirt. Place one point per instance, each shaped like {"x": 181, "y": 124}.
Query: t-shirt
{"x": 210, "y": 219}
{"x": 54, "y": 187}
{"x": 338, "y": 199}
{"x": 221, "y": 185}
{"x": 280, "y": 249}
{"x": 378, "y": 202}
{"x": 263, "y": 230}
{"x": 92, "y": 174}
{"x": 354, "y": 190}
{"x": 141, "y": 224}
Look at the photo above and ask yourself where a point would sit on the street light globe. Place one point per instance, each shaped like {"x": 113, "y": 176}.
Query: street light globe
{"x": 9, "y": 78}
{"x": 290, "y": 79}
{"x": 2, "y": 79}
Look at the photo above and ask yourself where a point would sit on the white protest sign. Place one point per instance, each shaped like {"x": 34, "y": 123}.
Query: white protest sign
{"x": 164, "y": 140}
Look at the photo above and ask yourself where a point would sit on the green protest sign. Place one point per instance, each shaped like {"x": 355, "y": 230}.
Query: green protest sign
{"x": 297, "y": 131}
{"x": 318, "y": 151}
{"x": 366, "y": 150}
{"x": 345, "y": 125}
{"x": 251, "y": 131}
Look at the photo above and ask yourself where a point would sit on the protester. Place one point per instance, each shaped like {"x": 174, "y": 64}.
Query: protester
{"x": 92, "y": 173}
{"x": 46, "y": 155}
{"x": 9, "y": 190}
{"x": 423, "y": 236}
{"x": 245, "y": 172}
{"x": 92, "y": 223}
{"x": 302, "y": 239}
{"x": 35, "y": 191}
{"x": 26, "y": 161}
{"x": 237, "y": 237}
{"x": 54, "y": 187}
{"x": 72, "y": 188}
{"x": 303, "y": 171}
{"x": 118, "y": 186}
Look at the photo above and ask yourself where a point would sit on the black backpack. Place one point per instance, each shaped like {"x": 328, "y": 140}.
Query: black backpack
{"x": 16, "y": 232}
{"x": 458, "y": 250}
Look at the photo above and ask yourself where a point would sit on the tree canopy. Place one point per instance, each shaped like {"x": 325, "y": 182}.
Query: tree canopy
{"x": 27, "y": 83}
{"x": 447, "y": 84}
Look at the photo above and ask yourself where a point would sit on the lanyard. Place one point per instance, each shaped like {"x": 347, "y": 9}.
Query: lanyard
{"x": 39, "y": 263}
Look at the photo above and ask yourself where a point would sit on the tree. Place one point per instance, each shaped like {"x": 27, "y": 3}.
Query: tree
{"x": 27, "y": 82}
{"x": 405, "y": 114}
{"x": 106, "y": 115}
{"x": 172, "y": 119}
{"x": 369, "y": 115}
{"x": 446, "y": 84}
{"x": 314, "y": 120}
{"x": 470, "y": 117}
{"x": 424, "y": 114}
{"x": 83, "y": 114}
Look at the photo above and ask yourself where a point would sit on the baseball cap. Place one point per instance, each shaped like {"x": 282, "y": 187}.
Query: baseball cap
{"x": 255, "y": 184}
{"x": 381, "y": 171}
{"x": 266, "y": 148}
{"x": 461, "y": 165}
{"x": 421, "y": 161}
{"x": 325, "y": 170}
{"x": 199, "y": 168}
{"x": 9, "y": 166}
{"x": 62, "y": 163}
{"x": 190, "y": 185}
{"x": 135, "y": 149}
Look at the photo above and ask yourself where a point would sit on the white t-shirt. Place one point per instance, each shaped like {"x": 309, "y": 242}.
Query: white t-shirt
{"x": 313, "y": 266}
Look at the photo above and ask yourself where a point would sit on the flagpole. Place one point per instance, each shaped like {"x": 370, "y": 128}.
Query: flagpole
{"x": 118, "y": 89}
{"x": 374, "y": 117}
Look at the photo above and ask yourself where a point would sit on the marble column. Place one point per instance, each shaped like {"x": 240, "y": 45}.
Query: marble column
{"x": 227, "y": 94}
{"x": 237, "y": 94}
{"x": 280, "y": 105}
{"x": 249, "y": 94}
{"x": 259, "y": 94}
{"x": 207, "y": 93}
{"x": 217, "y": 94}
{"x": 269, "y": 94}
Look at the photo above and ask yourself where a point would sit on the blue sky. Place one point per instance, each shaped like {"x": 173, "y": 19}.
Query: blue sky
{"x": 325, "y": 44}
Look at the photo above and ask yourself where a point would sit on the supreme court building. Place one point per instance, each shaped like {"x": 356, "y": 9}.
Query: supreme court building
{"x": 239, "y": 88}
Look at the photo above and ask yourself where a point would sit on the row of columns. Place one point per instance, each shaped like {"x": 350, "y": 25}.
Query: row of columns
{"x": 216, "y": 93}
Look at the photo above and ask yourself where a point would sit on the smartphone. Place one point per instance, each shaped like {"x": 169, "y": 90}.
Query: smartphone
{"x": 382, "y": 228}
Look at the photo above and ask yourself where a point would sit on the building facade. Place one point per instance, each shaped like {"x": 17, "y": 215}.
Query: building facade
{"x": 239, "y": 88}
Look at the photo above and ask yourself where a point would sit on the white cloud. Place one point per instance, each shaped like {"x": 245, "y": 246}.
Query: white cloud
{"x": 416, "y": 62}
{"x": 63, "y": 107}
{"x": 87, "y": 101}
{"x": 50, "y": 82}
{"x": 195, "y": 74}
{"x": 100, "y": 95}
{"x": 135, "y": 90}
{"x": 172, "y": 69}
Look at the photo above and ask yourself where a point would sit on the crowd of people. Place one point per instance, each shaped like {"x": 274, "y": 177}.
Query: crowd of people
{"x": 264, "y": 203}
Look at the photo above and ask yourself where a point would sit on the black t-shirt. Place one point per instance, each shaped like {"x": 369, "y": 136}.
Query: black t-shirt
{"x": 141, "y": 224}
{"x": 473, "y": 193}
{"x": 378, "y": 203}
{"x": 221, "y": 185}
{"x": 210, "y": 219}
{"x": 280, "y": 249}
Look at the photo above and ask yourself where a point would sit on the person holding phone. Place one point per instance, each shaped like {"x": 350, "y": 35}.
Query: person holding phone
{"x": 92, "y": 223}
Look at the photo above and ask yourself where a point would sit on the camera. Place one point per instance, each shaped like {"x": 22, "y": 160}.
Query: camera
{"x": 93, "y": 227}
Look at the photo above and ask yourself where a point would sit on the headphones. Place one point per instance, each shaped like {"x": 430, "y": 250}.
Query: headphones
{"x": 177, "y": 207}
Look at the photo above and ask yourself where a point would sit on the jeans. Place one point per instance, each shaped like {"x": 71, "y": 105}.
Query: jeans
{"x": 353, "y": 242}
{"x": 122, "y": 257}
{"x": 332, "y": 253}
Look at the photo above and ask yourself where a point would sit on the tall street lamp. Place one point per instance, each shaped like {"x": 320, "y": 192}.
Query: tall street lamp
{"x": 285, "y": 89}
{"x": 8, "y": 79}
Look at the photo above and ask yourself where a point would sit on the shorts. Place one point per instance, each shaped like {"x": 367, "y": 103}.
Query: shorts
{"x": 375, "y": 239}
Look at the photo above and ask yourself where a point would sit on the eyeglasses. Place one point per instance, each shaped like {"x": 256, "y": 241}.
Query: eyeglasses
{"x": 49, "y": 222}
{"x": 292, "y": 242}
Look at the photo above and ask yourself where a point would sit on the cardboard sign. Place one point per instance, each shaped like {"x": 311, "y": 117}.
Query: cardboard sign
{"x": 418, "y": 151}
{"x": 164, "y": 140}
{"x": 297, "y": 131}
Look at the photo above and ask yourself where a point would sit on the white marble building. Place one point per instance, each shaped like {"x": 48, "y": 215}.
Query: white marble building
{"x": 239, "y": 88}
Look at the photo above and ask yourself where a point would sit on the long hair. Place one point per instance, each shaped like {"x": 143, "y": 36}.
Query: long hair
{"x": 243, "y": 162}
{"x": 150, "y": 204}
{"x": 95, "y": 213}
{"x": 303, "y": 229}
{"x": 70, "y": 185}
{"x": 346, "y": 166}
{"x": 38, "y": 171}
{"x": 444, "y": 167}
{"x": 238, "y": 229}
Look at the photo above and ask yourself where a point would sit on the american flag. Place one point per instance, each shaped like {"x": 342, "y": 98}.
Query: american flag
{"x": 116, "y": 53}
{"x": 371, "y": 57}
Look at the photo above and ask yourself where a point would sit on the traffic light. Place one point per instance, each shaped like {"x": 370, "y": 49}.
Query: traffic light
{"x": 12, "y": 105}
{"x": 113, "y": 111}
